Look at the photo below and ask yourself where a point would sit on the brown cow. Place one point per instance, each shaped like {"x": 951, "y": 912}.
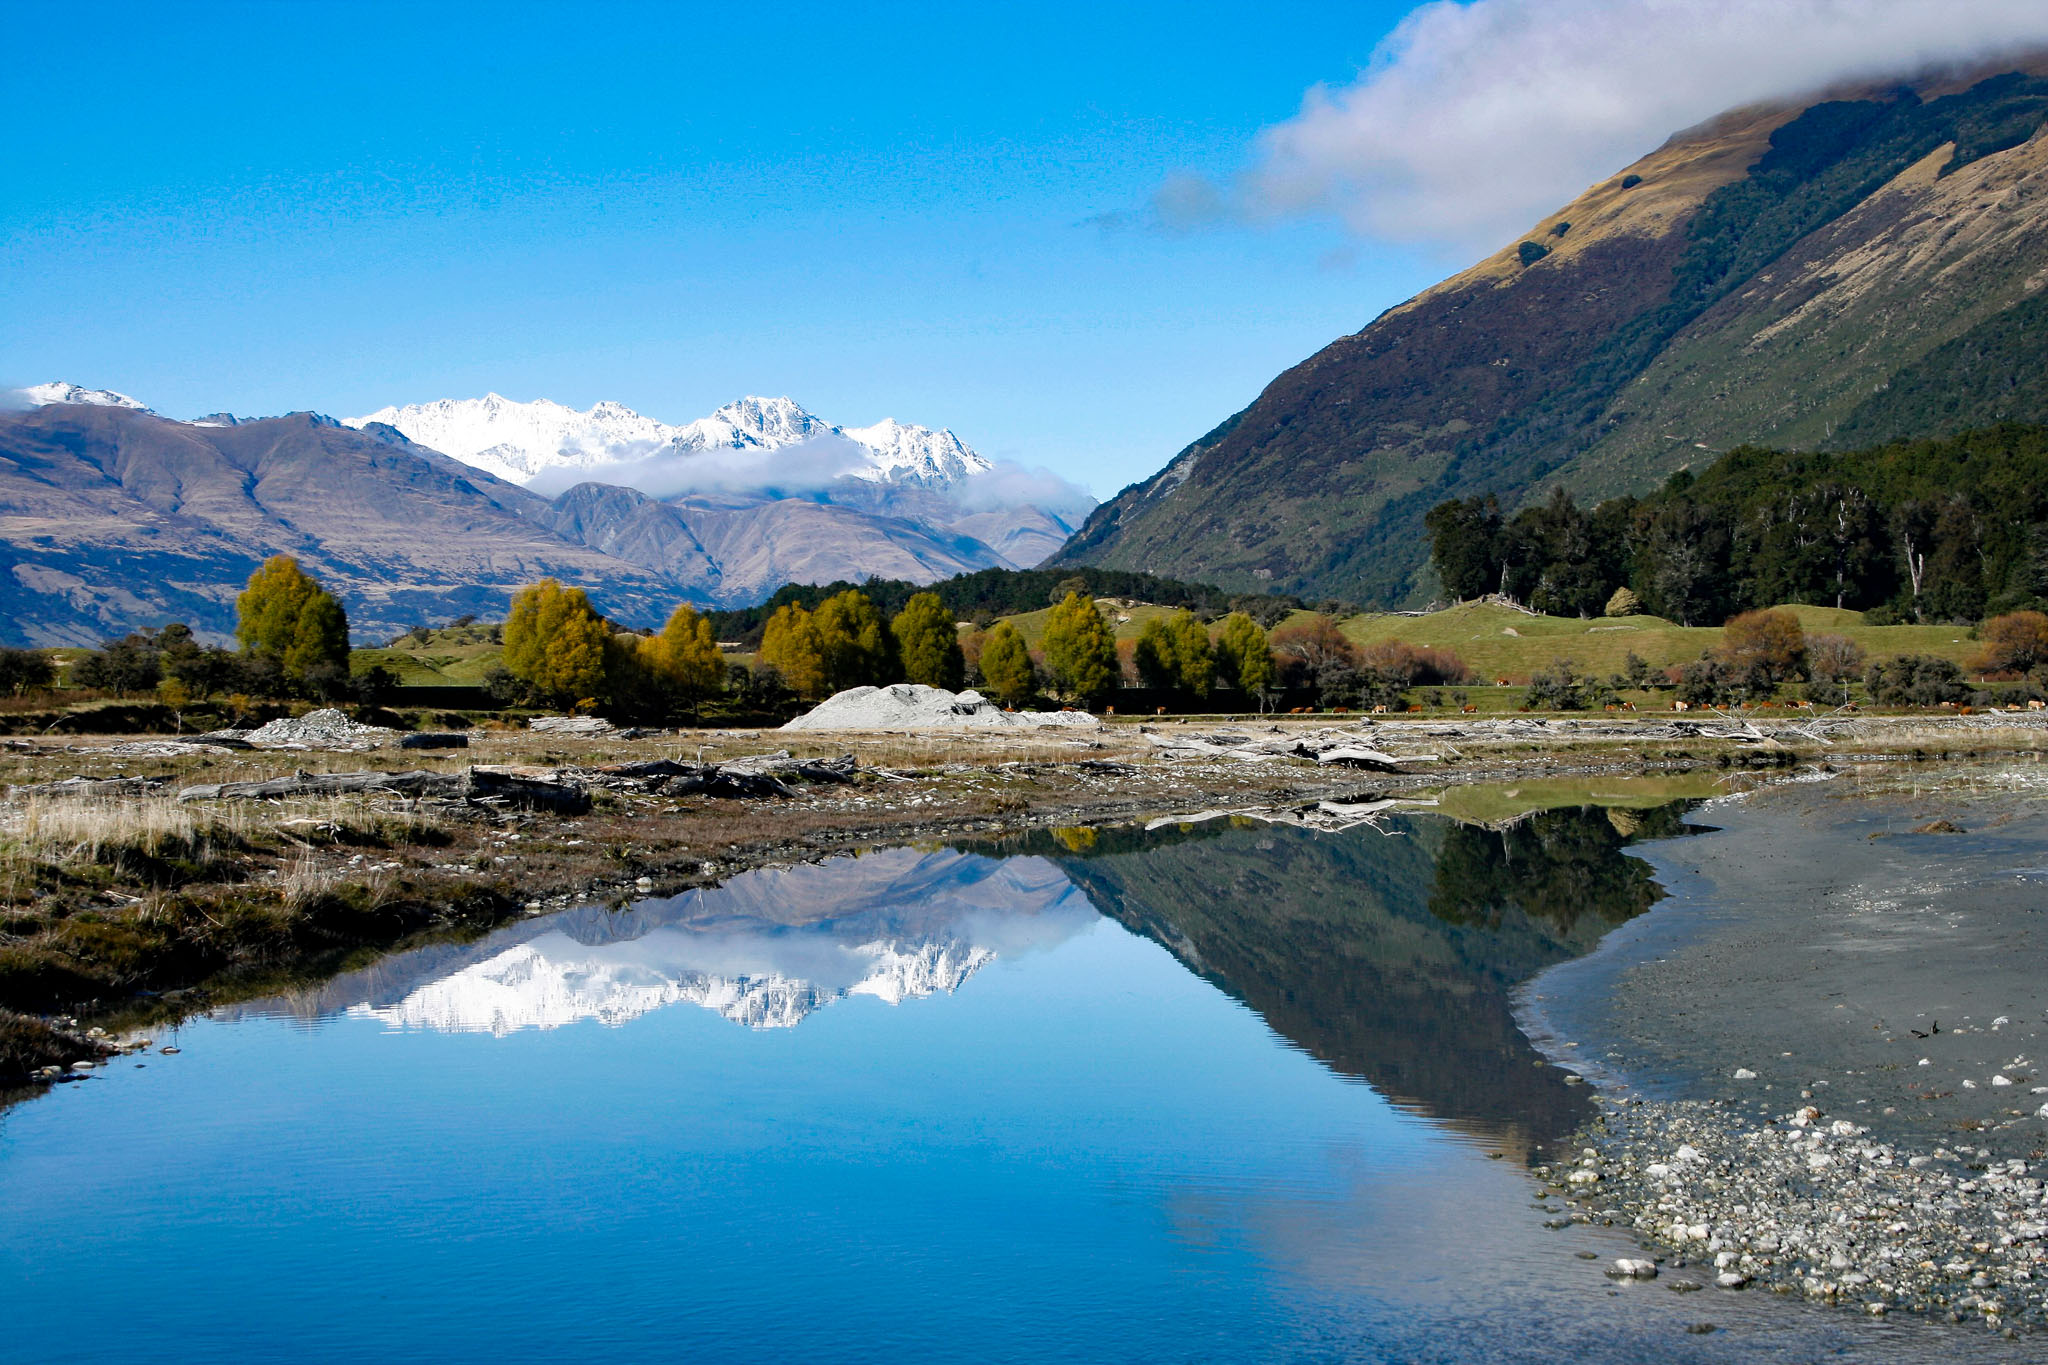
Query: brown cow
{"x": 1470, "y": 708}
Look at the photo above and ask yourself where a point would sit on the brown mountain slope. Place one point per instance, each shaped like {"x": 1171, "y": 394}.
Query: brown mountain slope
{"x": 1760, "y": 277}
{"x": 110, "y": 518}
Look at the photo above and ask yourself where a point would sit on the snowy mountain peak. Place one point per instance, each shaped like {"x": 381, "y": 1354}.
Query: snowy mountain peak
{"x": 913, "y": 454}
{"x": 519, "y": 441}
{"x": 57, "y": 391}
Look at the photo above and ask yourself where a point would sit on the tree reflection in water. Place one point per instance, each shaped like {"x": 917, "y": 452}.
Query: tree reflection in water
{"x": 1391, "y": 957}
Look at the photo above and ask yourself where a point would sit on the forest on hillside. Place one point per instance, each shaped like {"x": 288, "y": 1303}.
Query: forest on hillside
{"x": 1938, "y": 530}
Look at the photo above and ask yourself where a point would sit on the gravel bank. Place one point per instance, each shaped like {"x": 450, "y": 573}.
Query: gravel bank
{"x": 1818, "y": 1058}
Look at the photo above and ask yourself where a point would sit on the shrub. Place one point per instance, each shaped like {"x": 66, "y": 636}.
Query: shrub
{"x": 1560, "y": 229}
{"x": 1833, "y": 658}
{"x": 1623, "y": 603}
{"x": 1916, "y": 680}
{"x": 1415, "y": 665}
{"x": 2013, "y": 643}
{"x": 1770, "y": 645}
{"x": 1531, "y": 252}
{"x": 1556, "y": 688}
{"x": 1629, "y": 182}
{"x": 24, "y": 670}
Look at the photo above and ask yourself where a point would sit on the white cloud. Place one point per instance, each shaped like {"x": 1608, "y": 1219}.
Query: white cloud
{"x": 792, "y": 470}
{"x": 1010, "y": 484}
{"x": 1475, "y": 119}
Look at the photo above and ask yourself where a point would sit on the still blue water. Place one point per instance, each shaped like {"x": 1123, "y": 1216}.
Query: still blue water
{"x": 925, "y": 1105}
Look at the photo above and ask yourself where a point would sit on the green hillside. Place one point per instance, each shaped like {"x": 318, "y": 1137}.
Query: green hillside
{"x": 1765, "y": 278}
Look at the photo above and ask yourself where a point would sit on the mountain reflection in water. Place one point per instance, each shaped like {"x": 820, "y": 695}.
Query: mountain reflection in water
{"x": 1388, "y": 954}
{"x": 764, "y": 949}
{"x": 1389, "y": 957}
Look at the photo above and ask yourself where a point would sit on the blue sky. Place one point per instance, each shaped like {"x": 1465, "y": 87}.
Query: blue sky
{"x": 945, "y": 213}
{"x": 937, "y": 213}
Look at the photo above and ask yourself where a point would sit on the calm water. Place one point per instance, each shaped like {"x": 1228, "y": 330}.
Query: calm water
{"x": 1224, "y": 1092}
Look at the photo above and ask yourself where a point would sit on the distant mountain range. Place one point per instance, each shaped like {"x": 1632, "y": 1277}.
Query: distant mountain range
{"x": 1825, "y": 273}
{"x": 523, "y": 442}
{"x": 112, "y": 516}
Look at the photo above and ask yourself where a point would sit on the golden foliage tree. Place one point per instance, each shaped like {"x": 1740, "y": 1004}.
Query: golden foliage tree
{"x": 928, "y": 643}
{"x": 556, "y": 643}
{"x": 858, "y": 649}
{"x": 1006, "y": 669}
{"x": 790, "y": 644}
{"x": 688, "y": 654}
{"x": 1244, "y": 658}
{"x": 1080, "y": 650}
{"x": 1174, "y": 652}
{"x": 286, "y": 615}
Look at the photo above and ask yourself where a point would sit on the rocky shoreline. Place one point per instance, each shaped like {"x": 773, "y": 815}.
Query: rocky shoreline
{"x": 1812, "y": 1205}
{"x": 1846, "y": 923}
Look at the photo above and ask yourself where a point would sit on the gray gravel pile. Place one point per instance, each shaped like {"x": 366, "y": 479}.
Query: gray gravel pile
{"x": 323, "y": 729}
{"x": 913, "y": 706}
{"x": 1809, "y": 1204}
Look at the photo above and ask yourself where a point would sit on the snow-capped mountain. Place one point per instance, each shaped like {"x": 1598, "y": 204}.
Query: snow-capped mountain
{"x": 520, "y": 441}
{"x": 517, "y": 441}
{"x": 57, "y": 391}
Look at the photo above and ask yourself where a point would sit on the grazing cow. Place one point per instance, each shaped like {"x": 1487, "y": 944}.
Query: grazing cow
{"x": 1340, "y": 710}
{"x": 1470, "y": 708}
{"x": 1379, "y": 710}
{"x": 1414, "y": 708}
{"x": 1301, "y": 711}
{"x": 1628, "y": 706}
{"x": 1681, "y": 706}
{"x": 1162, "y": 710}
{"x": 1109, "y": 710}
{"x": 1502, "y": 682}
{"x": 2037, "y": 705}
{"x": 1610, "y": 707}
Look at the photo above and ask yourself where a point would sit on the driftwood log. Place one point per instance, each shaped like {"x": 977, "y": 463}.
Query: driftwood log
{"x": 769, "y": 775}
{"x": 482, "y": 786}
{"x": 94, "y": 786}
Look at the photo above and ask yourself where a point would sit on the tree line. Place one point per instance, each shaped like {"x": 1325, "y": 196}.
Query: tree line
{"x": 1950, "y": 530}
{"x": 987, "y": 594}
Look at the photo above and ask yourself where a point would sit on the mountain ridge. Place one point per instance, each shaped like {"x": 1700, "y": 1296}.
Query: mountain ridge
{"x": 1666, "y": 313}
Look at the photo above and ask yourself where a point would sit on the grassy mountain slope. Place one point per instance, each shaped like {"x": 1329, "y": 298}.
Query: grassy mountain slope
{"x": 1761, "y": 277}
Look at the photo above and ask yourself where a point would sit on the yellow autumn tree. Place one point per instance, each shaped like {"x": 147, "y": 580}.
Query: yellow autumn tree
{"x": 858, "y": 648}
{"x": 285, "y": 615}
{"x": 790, "y": 644}
{"x": 1006, "y": 670}
{"x": 928, "y": 643}
{"x": 555, "y": 643}
{"x": 1080, "y": 651}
